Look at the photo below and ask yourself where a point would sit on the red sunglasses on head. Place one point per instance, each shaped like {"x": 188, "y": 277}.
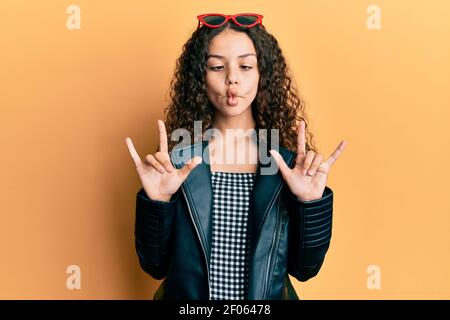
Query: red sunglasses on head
{"x": 216, "y": 20}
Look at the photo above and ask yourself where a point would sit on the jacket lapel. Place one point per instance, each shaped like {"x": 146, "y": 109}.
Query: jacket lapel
{"x": 265, "y": 191}
{"x": 198, "y": 190}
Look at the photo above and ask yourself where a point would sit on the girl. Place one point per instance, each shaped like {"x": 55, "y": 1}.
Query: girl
{"x": 215, "y": 230}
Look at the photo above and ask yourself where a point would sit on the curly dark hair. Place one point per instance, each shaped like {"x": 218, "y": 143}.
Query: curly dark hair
{"x": 277, "y": 104}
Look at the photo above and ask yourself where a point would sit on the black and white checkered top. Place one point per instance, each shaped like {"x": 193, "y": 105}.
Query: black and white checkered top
{"x": 230, "y": 238}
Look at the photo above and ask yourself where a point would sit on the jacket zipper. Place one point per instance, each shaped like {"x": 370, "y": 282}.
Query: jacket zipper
{"x": 201, "y": 243}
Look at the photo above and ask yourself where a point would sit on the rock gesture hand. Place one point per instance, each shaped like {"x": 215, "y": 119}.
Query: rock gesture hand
{"x": 308, "y": 178}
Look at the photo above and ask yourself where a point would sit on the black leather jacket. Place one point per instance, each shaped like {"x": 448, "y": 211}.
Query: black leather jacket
{"x": 287, "y": 236}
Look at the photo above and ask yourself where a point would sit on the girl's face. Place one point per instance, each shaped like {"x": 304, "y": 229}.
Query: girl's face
{"x": 231, "y": 72}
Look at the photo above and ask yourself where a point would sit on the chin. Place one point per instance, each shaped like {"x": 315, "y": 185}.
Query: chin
{"x": 232, "y": 110}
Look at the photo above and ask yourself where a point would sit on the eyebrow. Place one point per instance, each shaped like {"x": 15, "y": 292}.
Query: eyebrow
{"x": 222, "y": 57}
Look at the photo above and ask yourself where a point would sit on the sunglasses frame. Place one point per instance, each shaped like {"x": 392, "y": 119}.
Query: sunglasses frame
{"x": 227, "y": 17}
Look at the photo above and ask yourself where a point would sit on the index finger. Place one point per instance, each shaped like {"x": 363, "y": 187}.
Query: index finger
{"x": 335, "y": 155}
{"x": 301, "y": 141}
{"x": 163, "y": 147}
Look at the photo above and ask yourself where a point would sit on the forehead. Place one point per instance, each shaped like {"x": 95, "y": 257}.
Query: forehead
{"x": 230, "y": 44}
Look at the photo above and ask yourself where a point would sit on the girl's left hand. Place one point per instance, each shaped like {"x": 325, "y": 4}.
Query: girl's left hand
{"x": 307, "y": 180}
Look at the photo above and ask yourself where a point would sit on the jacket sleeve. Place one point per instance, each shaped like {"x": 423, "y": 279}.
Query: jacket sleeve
{"x": 310, "y": 224}
{"x": 153, "y": 225}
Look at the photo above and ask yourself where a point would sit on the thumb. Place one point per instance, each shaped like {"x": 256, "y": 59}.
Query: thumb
{"x": 280, "y": 162}
{"x": 184, "y": 172}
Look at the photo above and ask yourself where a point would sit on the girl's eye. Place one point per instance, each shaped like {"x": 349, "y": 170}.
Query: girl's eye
{"x": 218, "y": 68}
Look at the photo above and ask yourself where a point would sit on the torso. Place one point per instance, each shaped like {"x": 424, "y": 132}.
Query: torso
{"x": 232, "y": 181}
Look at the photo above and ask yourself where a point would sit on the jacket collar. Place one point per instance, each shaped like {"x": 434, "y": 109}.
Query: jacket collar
{"x": 199, "y": 192}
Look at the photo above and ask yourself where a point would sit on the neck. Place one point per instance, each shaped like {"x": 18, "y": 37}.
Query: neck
{"x": 243, "y": 121}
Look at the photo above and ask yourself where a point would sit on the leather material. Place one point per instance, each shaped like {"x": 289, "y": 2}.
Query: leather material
{"x": 287, "y": 236}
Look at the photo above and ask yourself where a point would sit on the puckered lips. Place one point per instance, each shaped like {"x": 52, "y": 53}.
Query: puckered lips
{"x": 232, "y": 97}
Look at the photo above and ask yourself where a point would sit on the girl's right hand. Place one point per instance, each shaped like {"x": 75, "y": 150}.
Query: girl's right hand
{"x": 159, "y": 179}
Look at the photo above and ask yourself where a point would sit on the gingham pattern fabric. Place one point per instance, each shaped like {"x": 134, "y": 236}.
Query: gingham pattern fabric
{"x": 230, "y": 238}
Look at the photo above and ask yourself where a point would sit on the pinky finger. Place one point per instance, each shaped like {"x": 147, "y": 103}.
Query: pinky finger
{"x": 133, "y": 153}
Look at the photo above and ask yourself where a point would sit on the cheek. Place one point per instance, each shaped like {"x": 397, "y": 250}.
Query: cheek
{"x": 212, "y": 83}
{"x": 253, "y": 81}
{"x": 252, "y": 77}
{"x": 213, "y": 89}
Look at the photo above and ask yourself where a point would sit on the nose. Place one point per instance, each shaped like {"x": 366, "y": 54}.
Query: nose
{"x": 232, "y": 78}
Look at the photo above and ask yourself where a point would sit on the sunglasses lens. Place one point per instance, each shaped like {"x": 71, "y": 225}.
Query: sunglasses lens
{"x": 214, "y": 20}
{"x": 246, "y": 19}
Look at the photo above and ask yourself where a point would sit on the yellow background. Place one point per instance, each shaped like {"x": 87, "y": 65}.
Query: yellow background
{"x": 69, "y": 98}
